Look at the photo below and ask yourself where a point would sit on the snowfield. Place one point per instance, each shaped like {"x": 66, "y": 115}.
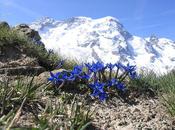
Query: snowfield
{"x": 106, "y": 40}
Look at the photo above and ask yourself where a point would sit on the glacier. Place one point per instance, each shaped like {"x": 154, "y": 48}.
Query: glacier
{"x": 105, "y": 39}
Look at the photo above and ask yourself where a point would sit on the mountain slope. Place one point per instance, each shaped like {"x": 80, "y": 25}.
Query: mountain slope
{"x": 105, "y": 39}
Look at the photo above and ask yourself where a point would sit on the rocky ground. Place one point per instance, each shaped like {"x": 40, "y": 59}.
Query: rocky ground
{"x": 145, "y": 114}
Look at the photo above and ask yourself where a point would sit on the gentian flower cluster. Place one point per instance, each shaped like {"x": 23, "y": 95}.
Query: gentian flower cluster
{"x": 99, "y": 77}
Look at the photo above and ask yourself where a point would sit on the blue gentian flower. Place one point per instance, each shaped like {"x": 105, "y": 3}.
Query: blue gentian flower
{"x": 128, "y": 68}
{"x": 133, "y": 75}
{"x": 95, "y": 67}
{"x": 100, "y": 66}
{"x": 85, "y": 76}
{"x": 112, "y": 82}
{"x": 98, "y": 90}
{"x": 55, "y": 78}
{"x": 131, "y": 71}
{"x": 120, "y": 86}
{"x": 103, "y": 96}
{"x": 77, "y": 70}
{"x": 97, "y": 86}
{"x": 68, "y": 76}
{"x": 120, "y": 65}
{"x": 89, "y": 67}
{"x": 97, "y": 74}
{"x": 110, "y": 66}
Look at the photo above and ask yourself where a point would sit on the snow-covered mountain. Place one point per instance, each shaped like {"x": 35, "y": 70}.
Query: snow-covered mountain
{"x": 105, "y": 39}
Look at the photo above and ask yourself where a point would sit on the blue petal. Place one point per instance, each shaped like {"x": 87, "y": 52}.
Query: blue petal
{"x": 52, "y": 75}
{"x": 120, "y": 86}
{"x": 50, "y": 79}
{"x": 103, "y": 96}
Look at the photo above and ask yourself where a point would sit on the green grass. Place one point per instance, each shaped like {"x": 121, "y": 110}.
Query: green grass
{"x": 65, "y": 110}
{"x": 11, "y": 37}
{"x": 77, "y": 119}
{"x": 163, "y": 86}
{"x": 24, "y": 96}
{"x": 14, "y": 97}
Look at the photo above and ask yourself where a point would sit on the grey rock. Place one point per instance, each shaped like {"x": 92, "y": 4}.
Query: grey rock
{"x": 4, "y": 24}
{"x": 30, "y": 33}
{"x": 42, "y": 78}
{"x": 22, "y": 70}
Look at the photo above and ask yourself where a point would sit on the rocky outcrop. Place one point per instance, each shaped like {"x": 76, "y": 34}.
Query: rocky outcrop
{"x": 30, "y": 33}
{"x": 14, "y": 60}
{"x": 22, "y": 70}
{"x": 21, "y": 65}
{"x": 4, "y": 24}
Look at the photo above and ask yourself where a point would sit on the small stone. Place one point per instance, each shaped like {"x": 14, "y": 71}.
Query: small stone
{"x": 173, "y": 122}
{"x": 147, "y": 128}
{"x": 112, "y": 123}
{"x": 128, "y": 110}
{"x": 122, "y": 123}
{"x": 147, "y": 118}
{"x": 136, "y": 110}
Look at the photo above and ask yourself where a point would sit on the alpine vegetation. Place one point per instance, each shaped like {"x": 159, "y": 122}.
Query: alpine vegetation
{"x": 29, "y": 101}
{"x": 99, "y": 78}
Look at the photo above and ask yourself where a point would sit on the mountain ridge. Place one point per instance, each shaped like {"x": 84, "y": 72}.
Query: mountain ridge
{"x": 105, "y": 39}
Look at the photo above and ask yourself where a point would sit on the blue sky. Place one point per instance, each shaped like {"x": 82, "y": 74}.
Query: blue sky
{"x": 139, "y": 17}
